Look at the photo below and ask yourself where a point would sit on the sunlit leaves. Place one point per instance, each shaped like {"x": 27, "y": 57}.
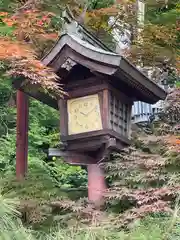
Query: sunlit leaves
{"x": 17, "y": 50}
{"x": 38, "y": 75}
{"x": 6, "y": 25}
{"x": 20, "y": 54}
{"x": 97, "y": 4}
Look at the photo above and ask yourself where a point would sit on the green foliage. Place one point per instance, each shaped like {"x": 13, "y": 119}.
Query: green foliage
{"x": 162, "y": 14}
{"x": 45, "y": 184}
{"x": 143, "y": 180}
{"x": 43, "y": 133}
{"x": 5, "y": 30}
{"x": 159, "y": 35}
{"x": 150, "y": 228}
{"x": 8, "y": 5}
{"x": 96, "y": 4}
{"x": 43, "y": 126}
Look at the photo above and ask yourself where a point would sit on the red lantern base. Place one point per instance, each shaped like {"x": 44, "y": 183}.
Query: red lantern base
{"x": 96, "y": 184}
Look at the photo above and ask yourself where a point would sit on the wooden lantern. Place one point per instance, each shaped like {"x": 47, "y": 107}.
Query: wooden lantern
{"x": 95, "y": 116}
{"x": 101, "y": 86}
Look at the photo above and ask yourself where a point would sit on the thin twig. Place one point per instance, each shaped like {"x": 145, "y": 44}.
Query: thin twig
{"x": 28, "y": 5}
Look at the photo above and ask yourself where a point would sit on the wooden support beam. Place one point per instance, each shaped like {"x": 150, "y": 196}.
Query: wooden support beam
{"x": 22, "y": 134}
{"x": 96, "y": 184}
{"x": 106, "y": 149}
{"x": 34, "y": 93}
{"x": 96, "y": 179}
{"x": 71, "y": 157}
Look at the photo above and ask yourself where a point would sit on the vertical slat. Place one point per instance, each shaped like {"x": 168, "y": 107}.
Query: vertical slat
{"x": 129, "y": 121}
{"x": 120, "y": 116}
{"x": 63, "y": 117}
{"x": 100, "y": 97}
{"x": 110, "y": 97}
{"x": 114, "y": 110}
{"x": 105, "y": 109}
{"x": 123, "y": 116}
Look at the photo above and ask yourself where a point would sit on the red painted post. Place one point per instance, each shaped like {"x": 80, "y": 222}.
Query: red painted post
{"x": 96, "y": 184}
{"x": 22, "y": 134}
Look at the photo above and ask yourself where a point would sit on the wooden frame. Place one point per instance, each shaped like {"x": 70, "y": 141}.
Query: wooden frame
{"x": 92, "y": 141}
{"x": 106, "y": 63}
{"x": 101, "y": 72}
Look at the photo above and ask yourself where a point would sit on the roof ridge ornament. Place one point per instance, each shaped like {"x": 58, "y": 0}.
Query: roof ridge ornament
{"x": 67, "y": 15}
{"x": 70, "y": 25}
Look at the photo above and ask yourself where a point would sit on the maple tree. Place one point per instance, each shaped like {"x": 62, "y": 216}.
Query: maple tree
{"x": 35, "y": 28}
{"x": 16, "y": 49}
{"x": 25, "y": 36}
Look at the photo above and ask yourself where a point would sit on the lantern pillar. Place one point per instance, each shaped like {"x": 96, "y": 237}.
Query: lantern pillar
{"x": 96, "y": 184}
{"x": 22, "y": 134}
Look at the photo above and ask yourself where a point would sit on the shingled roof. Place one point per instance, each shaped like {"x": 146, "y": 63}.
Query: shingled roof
{"x": 77, "y": 46}
{"x": 81, "y": 47}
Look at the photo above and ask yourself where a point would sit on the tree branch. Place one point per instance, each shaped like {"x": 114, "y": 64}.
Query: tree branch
{"x": 30, "y": 4}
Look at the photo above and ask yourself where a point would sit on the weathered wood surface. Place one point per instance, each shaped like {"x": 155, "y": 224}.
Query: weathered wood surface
{"x": 22, "y": 134}
{"x": 107, "y": 63}
{"x": 85, "y": 158}
{"x": 72, "y": 157}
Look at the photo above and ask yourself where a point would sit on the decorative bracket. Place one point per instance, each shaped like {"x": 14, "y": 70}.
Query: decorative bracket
{"x": 68, "y": 64}
{"x": 106, "y": 150}
{"x": 85, "y": 158}
{"x": 71, "y": 157}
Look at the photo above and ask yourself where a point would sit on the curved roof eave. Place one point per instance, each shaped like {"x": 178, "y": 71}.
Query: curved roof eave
{"x": 140, "y": 79}
{"x": 84, "y": 48}
{"x": 106, "y": 62}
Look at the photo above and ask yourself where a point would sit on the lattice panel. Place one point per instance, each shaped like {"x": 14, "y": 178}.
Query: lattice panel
{"x": 119, "y": 116}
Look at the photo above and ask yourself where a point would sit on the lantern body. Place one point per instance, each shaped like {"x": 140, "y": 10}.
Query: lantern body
{"x": 93, "y": 112}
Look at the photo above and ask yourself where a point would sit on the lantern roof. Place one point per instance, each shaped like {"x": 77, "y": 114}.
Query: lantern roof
{"x": 77, "y": 46}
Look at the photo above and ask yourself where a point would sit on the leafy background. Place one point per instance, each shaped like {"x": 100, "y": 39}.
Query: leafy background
{"x": 143, "y": 181}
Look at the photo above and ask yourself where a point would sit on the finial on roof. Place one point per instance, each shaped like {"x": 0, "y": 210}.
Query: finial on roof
{"x": 70, "y": 24}
{"x": 81, "y": 18}
{"x": 68, "y": 15}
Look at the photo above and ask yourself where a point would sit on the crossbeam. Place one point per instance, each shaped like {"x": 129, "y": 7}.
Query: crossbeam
{"x": 71, "y": 157}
